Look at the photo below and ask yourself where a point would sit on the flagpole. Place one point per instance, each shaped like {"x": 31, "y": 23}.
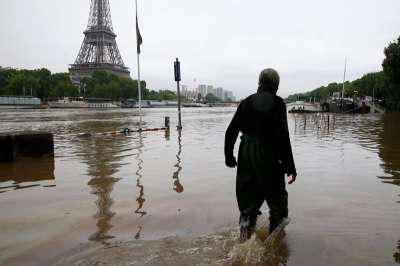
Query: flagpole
{"x": 344, "y": 76}
{"x": 138, "y": 69}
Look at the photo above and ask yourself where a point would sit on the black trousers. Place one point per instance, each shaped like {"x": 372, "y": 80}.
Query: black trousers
{"x": 260, "y": 178}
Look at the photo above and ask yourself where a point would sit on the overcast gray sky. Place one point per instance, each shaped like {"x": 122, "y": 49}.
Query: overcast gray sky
{"x": 220, "y": 42}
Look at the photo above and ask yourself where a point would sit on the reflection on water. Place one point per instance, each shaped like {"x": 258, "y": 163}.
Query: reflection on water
{"x": 137, "y": 235}
{"x": 389, "y": 152}
{"x": 319, "y": 123}
{"x": 377, "y": 133}
{"x": 389, "y": 148}
{"x": 167, "y": 134}
{"x": 102, "y": 188}
{"x": 102, "y": 154}
{"x": 342, "y": 161}
{"x": 217, "y": 249}
{"x": 177, "y": 184}
{"x": 396, "y": 255}
{"x": 101, "y": 167}
{"x": 27, "y": 170}
{"x": 140, "y": 199}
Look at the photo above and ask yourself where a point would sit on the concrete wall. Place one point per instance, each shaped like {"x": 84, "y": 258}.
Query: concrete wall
{"x": 25, "y": 144}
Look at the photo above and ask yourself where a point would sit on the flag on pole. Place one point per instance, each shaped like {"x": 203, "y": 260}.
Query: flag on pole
{"x": 139, "y": 39}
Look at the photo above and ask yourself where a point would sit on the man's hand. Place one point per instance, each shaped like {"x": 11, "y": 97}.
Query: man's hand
{"x": 292, "y": 178}
{"x": 231, "y": 163}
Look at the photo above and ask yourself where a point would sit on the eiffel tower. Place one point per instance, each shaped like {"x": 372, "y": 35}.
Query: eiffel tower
{"x": 99, "y": 50}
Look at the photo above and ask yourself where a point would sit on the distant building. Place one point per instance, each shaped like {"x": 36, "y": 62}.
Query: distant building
{"x": 202, "y": 90}
{"x": 210, "y": 89}
{"x": 190, "y": 95}
{"x": 220, "y": 93}
{"x": 5, "y": 68}
{"x": 228, "y": 96}
{"x": 184, "y": 89}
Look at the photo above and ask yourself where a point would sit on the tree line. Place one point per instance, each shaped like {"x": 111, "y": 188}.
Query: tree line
{"x": 384, "y": 85}
{"x": 45, "y": 85}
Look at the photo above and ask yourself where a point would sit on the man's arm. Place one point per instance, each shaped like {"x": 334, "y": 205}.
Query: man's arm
{"x": 230, "y": 138}
{"x": 287, "y": 154}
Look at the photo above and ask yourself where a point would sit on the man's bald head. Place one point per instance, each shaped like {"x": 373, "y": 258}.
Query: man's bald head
{"x": 269, "y": 80}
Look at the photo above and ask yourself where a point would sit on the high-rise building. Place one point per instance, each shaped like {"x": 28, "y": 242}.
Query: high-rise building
{"x": 210, "y": 89}
{"x": 228, "y": 96}
{"x": 184, "y": 89}
{"x": 202, "y": 90}
{"x": 220, "y": 93}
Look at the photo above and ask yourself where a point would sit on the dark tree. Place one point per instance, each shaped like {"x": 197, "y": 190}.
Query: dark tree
{"x": 391, "y": 64}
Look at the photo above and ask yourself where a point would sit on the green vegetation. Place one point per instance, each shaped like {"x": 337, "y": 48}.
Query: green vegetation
{"x": 367, "y": 85}
{"x": 15, "y": 82}
{"x": 46, "y": 85}
{"x": 211, "y": 98}
{"x": 106, "y": 85}
{"x": 163, "y": 95}
{"x": 384, "y": 84}
{"x": 391, "y": 68}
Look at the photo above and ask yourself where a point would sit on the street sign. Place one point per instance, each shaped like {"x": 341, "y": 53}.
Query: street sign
{"x": 177, "y": 70}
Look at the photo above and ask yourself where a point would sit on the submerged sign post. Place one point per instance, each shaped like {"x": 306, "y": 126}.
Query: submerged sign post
{"x": 177, "y": 70}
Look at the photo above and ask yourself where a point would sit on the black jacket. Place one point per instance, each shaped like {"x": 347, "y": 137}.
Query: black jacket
{"x": 263, "y": 116}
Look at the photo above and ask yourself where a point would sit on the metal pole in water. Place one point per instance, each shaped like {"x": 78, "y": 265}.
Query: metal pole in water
{"x": 373, "y": 99}
{"x": 344, "y": 80}
{"x": 139, "y": 93}
{"x": 177, "y": 70}
{"x": 167, "y": 122}
{"x": 139, "y": 42}
{"x": 328, "y": 122}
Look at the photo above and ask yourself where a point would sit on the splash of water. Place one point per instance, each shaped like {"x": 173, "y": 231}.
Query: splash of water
{"x": 221, "y": 249}
{"x": 260, "y": 249}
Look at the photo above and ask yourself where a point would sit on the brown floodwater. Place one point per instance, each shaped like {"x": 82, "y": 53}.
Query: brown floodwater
{"x": 170, "y": 196}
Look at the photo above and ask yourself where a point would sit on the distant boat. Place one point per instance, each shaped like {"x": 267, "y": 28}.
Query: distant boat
{"x": 195, "y": 105}
{"x": 102, "y": 103}
{"x": 132, "y": 103}
{"x": 80, "y": 102}
{"x": 339, "y": 103}
{"x": 69, "y": 102}
{"x": 19, "y": 102}
{"x": 304, "y": 107}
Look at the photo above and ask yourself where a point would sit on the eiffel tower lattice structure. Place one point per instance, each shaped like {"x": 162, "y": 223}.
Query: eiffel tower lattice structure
{"x": 99, "y": 50}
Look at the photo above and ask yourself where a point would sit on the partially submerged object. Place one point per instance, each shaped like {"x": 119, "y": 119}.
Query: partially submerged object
{"x": 304, "y": 107}
{"x": 15, "y": 145}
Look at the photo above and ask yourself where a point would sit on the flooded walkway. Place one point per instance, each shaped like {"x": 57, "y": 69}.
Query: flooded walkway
{"x": 154, "y": 197}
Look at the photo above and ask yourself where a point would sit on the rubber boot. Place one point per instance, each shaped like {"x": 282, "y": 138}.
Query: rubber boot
{"x": 247, "y": 227}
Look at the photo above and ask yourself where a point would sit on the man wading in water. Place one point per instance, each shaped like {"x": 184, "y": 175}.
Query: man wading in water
{"x": 265, "y": 155}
